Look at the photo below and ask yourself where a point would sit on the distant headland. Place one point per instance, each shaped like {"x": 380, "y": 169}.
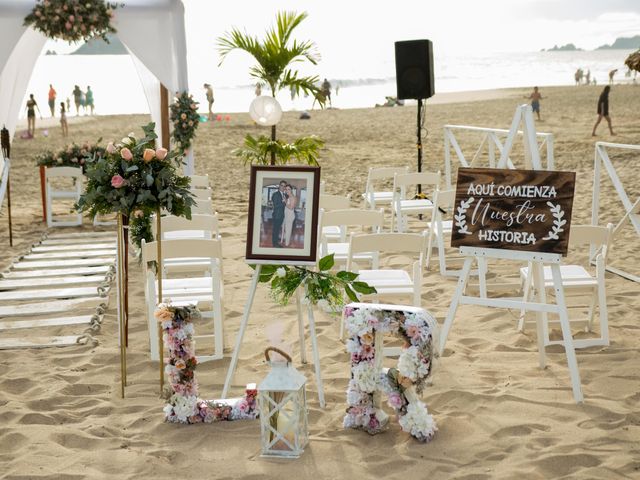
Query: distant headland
{"x": 621, "y": 43}
{"x": 97, "y": 46}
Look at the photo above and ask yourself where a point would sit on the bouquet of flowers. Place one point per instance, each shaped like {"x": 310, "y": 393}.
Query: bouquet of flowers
{"x": 72, "y": 20}
{"x": 185, "y": 118}
{"x": 136, "y": 179}
{"x": 73, "y": 155}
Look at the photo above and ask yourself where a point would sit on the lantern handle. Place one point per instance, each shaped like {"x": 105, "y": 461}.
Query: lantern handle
{"x": 277, "y": 350}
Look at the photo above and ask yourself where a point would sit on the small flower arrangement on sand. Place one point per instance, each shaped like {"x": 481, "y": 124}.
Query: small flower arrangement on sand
{"x": 73, "y": 155}
{"x": 72, "y": 20}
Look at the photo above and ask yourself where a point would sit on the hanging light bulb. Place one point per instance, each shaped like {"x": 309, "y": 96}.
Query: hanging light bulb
{"x": 265, "y": 111}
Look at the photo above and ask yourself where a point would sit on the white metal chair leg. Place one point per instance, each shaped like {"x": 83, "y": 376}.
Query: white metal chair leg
{"x": 592, "y": 308}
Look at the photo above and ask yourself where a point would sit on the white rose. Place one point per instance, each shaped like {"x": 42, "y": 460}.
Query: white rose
{"x": 126, "y": 141}
{"x": 281, "y": 272}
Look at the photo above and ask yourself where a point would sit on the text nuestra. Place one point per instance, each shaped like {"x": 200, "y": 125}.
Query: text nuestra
{"x": 520, "y": 191}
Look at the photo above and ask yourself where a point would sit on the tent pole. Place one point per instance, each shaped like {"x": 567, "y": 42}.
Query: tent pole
{"x": 9, "y": 208}
{"x": 164, "y": 116}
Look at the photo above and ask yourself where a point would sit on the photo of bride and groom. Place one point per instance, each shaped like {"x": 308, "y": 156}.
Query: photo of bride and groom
{"x": 282, "y": 221}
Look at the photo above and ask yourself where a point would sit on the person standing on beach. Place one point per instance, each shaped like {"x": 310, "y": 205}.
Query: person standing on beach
{"x": 611, "y": 74}
{"x": 77, "y": 98}
{"x": 210, "y": 100}
{"x": 258, "y": 90}
{"x": 325, "y": 88}
{"x": 52, "y": 100}
{"x": 587, "y": 78}
{"x": 31, "y": 115}
{"x": 63, "y": 120}
{"x": 535, "y": 98}
{"x": 89, "y": 99}
{"x": 603, "y": 110}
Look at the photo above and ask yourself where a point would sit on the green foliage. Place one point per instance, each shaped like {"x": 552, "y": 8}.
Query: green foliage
{"x": 137, "y": 187}
{"x": 275, "y": 54}
{"x": 322, "y": 287}
{"x": 72, "y": 20}
{"x": 73, "y": 155}
{"x": 305, "y": 150}
{"x": 185, "y": 118}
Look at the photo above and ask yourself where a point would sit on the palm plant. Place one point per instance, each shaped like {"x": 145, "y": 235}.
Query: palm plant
{"x": 275, "y": 55}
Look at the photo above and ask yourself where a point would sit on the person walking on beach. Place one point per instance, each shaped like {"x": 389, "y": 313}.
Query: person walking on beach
{"x": 587, "y": 78}
{"x": 258, "y": 90}
{"x": 603, "y": 110}
{"x": 52, "y": 100}
{"x": 578, "y": 76}
{"x": 77, "y": 98}
{"x": 611, "y": 74}
{"x": 63, "y": 120}
{"x": 89, "y": 99}
{"x": 325, "y": 89}
{"x": 31, "y": 115}
{"x": 210, "y": 100}
{"x": 535, "y": 98}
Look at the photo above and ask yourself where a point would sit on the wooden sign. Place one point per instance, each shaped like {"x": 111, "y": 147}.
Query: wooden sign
{"x": 528, "y": 210}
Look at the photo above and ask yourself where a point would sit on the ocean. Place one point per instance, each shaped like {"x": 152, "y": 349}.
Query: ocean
{"x": 117, "y": 89}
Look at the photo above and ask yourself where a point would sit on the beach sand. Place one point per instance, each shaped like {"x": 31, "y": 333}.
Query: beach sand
{"x": 499, "y": 415}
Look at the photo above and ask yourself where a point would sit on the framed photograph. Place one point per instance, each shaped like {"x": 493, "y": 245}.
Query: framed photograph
{"x": 283, "y": 214}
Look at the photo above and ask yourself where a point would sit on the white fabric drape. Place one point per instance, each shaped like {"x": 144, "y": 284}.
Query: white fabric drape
{"x": 15, "y": 75}
{"x": 151, "y": 87}
{"x": 152, "y": 30}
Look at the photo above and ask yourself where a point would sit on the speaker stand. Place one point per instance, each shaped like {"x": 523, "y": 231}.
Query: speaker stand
{"x": 419, "y": 143}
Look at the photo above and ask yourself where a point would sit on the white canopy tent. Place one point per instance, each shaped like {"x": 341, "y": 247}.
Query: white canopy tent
{"x": 152, "y": 30}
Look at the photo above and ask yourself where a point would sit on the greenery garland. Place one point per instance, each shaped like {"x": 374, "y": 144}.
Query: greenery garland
{"x": 322, "y": 288}
{"x": 72, "y": 20}
{"x": 185, "y": 118}
{"x": 72, "y": 155}
{"x": 135, "y": 179}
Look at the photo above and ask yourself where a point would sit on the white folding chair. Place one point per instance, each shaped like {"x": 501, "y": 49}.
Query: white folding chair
{"x": 334, "y": 202}
{"x": 578, "y": 280}
{"x": 52, "y": 193}
{"x": 203, "y": 205}
{"x": 199, "y": 181}
{"x": 343, "y": 220}
{"x": 440, "y": 229}
{"x": 403, "y": 202}
{"x": 373, "y": 197}
{"x": 205, "y": 292}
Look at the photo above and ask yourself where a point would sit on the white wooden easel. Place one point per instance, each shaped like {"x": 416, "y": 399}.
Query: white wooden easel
{"x": 632, "y": 209}
{"x": 245, "y": 321}
{"x": 536, "y": 261}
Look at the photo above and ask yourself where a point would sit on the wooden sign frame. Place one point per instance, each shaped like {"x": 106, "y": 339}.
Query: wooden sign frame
{"x": 507, "y": 209}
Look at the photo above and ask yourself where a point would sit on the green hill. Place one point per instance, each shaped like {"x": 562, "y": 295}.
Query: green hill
{"x": 97, "y": 46}
{"x": 623, "y": 43}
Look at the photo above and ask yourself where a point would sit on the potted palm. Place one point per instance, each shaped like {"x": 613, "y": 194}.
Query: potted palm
{"x": 275, "y": 55}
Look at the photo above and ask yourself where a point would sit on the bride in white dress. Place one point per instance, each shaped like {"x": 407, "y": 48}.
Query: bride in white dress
{"x": 289, "y": 215}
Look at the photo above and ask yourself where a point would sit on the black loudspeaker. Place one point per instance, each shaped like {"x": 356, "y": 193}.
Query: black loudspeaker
{"x": 414, "y": 69}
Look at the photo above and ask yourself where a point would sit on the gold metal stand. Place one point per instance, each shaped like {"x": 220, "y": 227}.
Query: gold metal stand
{"x": 121, "y": 260}
{"x": 159, "y": 267}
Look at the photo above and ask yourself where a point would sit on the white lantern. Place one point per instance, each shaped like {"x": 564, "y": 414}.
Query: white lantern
{"x": 265, "y": 111}
{"x": 282, "y": 401}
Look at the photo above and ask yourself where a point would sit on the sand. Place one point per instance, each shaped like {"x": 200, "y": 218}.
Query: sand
{"x": 499, "y": 416}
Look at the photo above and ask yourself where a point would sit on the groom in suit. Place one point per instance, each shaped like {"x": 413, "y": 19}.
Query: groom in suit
{"x": 278, "y": 199}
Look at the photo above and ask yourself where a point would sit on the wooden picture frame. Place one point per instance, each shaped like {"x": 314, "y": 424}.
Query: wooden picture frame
{"x": 272, "y": 238}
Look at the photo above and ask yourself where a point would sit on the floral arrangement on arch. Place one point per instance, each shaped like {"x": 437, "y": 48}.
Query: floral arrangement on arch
{"x": 185, "y": 118}
{"x": 184, "y": 405}
{"x": 73, "y": 155}
{"x": 136, "y": 179}
{"x": 72, "y": 20}
{"x": 322, "y": 288}
{"x": 402, "y": 384}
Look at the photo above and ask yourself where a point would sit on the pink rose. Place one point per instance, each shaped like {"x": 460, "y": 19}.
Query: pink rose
{"x": 161, "y": 153}
{"x": 64, "y": 7}
{"x": 72, "y": 18}
{"x": 126, "y": 154}
{"x": 38, "y": 13}
{"x": 140, "y": 214}
{"x": 148, "y": 154}
{"x": 111, "y": 147}
{"x": 183, "y": 116}
{"x": 67, "y": 26}
{"x": 117, "y": 181}
{"x": 395, "y": 400}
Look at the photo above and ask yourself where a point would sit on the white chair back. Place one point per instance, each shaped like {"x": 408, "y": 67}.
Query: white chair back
{"x": 52, "y": 193}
